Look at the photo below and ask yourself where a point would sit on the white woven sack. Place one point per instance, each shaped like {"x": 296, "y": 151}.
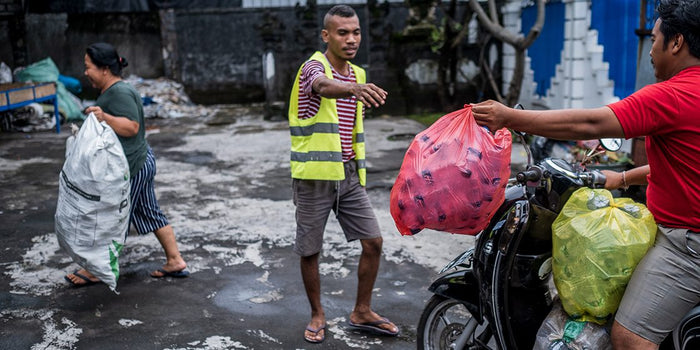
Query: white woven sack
{"x": 92, "y": 214}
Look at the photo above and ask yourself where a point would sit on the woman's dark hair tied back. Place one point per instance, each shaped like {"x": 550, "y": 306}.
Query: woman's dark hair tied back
{"x": 105, "y": 55}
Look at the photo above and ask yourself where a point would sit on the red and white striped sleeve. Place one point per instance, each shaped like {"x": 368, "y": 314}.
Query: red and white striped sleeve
{"x": 311, "y": 70}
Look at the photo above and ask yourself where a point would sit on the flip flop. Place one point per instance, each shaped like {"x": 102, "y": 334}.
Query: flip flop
{"x": 373, "y": 326}
{"x": 315, "y": 331}
{"x": 88, "y": 281}
{"x": 175, "y": 274}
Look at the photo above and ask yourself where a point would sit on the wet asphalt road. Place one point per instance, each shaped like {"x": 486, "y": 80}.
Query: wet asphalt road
{"x": 224, "y": 184}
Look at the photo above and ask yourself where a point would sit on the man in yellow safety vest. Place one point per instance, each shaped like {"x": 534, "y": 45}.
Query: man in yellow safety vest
{"x": 326, "y": 111}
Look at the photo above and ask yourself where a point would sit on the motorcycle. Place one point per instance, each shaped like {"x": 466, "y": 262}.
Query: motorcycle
{"x": 499, "y": 293}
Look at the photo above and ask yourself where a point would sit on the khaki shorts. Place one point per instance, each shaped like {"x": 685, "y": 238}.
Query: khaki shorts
{"x": 664, "y": 286}
{"x": 315, "y": 199}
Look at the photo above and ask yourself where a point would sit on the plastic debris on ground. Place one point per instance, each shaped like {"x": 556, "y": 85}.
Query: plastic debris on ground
{"x": 165, "y": 98}
{"x": 32, "y": 117}
{"x": 5, "y": 73}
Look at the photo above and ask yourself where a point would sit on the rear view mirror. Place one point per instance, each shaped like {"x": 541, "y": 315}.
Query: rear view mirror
{"x": 613, "y": 144}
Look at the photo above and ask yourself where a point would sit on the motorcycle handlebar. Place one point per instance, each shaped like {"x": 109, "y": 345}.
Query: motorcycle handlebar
{"x": 532, "y": 174}
{"x": 593, "y": 178}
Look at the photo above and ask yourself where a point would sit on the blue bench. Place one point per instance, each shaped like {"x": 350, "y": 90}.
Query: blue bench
{"x": 16, "y": 95}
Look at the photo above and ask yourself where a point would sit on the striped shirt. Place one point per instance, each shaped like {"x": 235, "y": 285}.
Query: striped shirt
{"x": 310, "y": 101}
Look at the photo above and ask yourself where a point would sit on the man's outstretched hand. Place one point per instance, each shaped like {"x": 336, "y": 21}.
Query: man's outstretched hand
{"x": 490, "y": 113}
{"x": 369, "y": 94}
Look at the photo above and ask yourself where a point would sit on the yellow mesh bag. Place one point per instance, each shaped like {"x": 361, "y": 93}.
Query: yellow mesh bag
{"x": 598, "y": 240}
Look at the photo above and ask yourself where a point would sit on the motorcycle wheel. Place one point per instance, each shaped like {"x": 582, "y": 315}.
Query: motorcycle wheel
{"x": 442, "y": 322}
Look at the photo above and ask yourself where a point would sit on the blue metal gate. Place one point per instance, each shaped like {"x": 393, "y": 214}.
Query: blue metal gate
{"x": 615, "y": 20}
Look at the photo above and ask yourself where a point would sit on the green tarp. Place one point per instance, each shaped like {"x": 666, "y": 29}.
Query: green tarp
{"x": 46, "y": 71}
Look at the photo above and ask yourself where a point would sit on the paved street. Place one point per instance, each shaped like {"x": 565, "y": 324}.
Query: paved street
{"x": 224, "y": 184}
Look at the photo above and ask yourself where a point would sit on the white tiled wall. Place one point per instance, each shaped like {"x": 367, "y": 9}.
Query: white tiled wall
{"x": 581, "y": 78}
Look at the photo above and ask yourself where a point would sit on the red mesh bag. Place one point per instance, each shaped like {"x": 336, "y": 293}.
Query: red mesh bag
{"x": 453, "y": 177}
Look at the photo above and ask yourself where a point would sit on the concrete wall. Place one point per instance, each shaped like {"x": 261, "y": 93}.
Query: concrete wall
{"x": 227, "y": 51}
{"x": 220, "y": 53}
{"x": 12, "y": 42}
{"x": 5, "y": 44}
{"x": 234, "y": 54}
{"x": 64, "y": 38}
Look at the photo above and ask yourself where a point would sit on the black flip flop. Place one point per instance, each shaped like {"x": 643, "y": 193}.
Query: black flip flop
{"x": 175, "y": 274}
{"x": 374, "y": 327}
{"x": 88, "y": 281}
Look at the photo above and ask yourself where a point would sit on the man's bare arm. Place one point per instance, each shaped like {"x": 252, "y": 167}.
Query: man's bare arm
{"x": 562, "y": 124}
{"x": 636, "y": 176}
{"x": 369, "y": 94}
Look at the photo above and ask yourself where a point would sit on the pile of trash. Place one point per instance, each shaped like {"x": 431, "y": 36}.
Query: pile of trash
{"x": 47, "y": 71}
{"x": 33, "y": 116}
{"x": 164, "y": 98}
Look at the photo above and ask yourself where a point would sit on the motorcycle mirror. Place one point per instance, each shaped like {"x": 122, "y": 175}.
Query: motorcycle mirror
{"x": 612, "y": 144}
{"x": 522, "y": 138}
{"x": 519, "y": 133}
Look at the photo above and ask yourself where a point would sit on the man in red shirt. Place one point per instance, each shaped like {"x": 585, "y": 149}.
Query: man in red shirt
{"x": 666, "y": 283}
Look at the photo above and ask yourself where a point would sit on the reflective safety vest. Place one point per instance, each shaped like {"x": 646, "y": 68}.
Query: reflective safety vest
{"x": 316, "y": 149}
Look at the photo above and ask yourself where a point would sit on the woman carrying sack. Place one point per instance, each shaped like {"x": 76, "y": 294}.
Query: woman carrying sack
{"x": 119, "y": 105}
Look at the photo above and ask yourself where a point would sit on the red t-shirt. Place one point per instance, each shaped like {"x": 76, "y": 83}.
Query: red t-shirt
{"x": 668, "y": 114}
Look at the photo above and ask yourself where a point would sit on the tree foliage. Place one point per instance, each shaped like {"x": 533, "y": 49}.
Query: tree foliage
{"x": 518, "y": 41}
{"x": 447, "y": 37}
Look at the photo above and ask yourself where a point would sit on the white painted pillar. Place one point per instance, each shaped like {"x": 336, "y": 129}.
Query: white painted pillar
{"x": 581, "y": 78}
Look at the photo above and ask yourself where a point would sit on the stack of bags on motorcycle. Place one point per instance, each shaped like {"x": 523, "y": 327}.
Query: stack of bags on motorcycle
{"x": 453, "y": 177}
{"x": 597, "y": 242}
{"x": 92, "y": 213}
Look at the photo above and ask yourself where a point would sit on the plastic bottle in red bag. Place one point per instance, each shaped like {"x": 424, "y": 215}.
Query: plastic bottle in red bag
{"x": 453, "y": 177}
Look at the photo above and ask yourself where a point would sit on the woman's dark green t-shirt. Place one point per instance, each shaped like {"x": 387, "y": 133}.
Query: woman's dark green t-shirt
{"x": 122, "y": 100}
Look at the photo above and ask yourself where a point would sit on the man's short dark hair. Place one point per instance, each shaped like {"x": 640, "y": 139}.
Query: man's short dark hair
{"x": 339, "y": 10}
{"x": 681, "y": 17}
